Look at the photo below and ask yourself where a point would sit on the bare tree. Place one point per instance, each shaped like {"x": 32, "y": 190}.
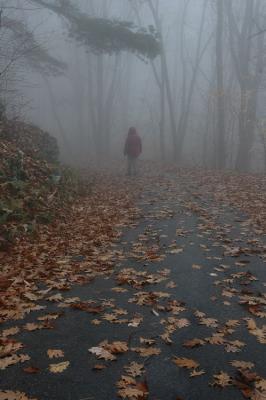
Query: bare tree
{"x": 221, "y": 151}
{"x": 159, "y": 77}
{"x": 185, "y": 111}
{"x": 248, "y": 59}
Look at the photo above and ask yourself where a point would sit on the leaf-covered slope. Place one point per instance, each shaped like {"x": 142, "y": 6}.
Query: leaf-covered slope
{"x": 28, "y": 159}
{"x": 30, "y": 139}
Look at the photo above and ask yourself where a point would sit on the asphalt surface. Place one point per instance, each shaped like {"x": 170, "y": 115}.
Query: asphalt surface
{"x": 164, "y": 211}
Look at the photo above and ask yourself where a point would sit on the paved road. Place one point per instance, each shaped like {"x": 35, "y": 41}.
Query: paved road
{"x": 179, "y": 241}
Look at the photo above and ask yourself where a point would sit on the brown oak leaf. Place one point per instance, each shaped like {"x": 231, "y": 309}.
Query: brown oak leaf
{"x": 185, "y": 362}
{"x": 222, "y": 379}
{"x": 147, "y": 352}
{"x": 242, "y": 364}
{"x": 10, "y": 395}
{"x": 193, "y": 343}
{"x": 100, "y": 352}
{"x": 134, "y": 369}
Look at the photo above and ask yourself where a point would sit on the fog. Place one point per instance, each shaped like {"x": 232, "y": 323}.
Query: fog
{"x": 198, "y": 102}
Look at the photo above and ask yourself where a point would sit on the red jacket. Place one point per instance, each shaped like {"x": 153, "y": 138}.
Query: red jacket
{"x": 133, "y": 145}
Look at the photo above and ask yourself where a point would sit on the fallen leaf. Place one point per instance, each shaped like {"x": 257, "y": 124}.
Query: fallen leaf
{"x": 134, "y": 369}
{"x": 216, "y": 339}
{"x": 185, "y": 362}
{"x": 13, "y": 359}
{"x": 261, "y": 384}
{"x": 257, "y": 395}
{"x": 98, "y": 367}
{"x": 96, "y": 322}
{"x": 87, "y": 307}
{"x": 231, "y": 349}
{"x": 222, "y": 379}
{"x": 193, "y": 343}
{"x": 126, "y": 381}
{"x": 209, "y": 322}
{"x": 242, "y": 364}
{"x": 182, "y": 323}
{"x": 31, "y": 326}
{"x": 147, "y": 352}
{"x": 166, "y": 338}
{"x": 49, "y": 317}
{"x": 232, "y": 323}
{"x": 196, "y": 372}
{"x": 60, "y": 367}
{"x": 135, "y": 322}
{"x": 176, "y": 251}
{"x": 119, "y": 290}
{"x": 251, "y": 324}
{"x": 9, "y": 347}
{"x": 100, "y": 352}
{"x": 55, "y": 353}
{"x": 10, "y": 331}
{"x": 116, "y": 347}
{"x": 130, "y": 393}
{"x": 10, "y": 395}
{"x": 55, "y": 298}
{"x": 196, "y": 266}
{"x": 148, "y": 342}
{"x": 171, "y": 285}
{"x": 31, "y": 370}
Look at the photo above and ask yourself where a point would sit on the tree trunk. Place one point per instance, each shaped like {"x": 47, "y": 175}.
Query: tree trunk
{"x": 221, "y": 153}
{"x": 166, "y": 78}
{"x": 162, "y": 120}
{"x": 249, "y": 67}
{"x": 100, "y": 108}
{"x": 184, "y": 116}
{"x": 160, "y": 80}
{"x": 108, "y": 107}
{"x": 56, "y": 116}
{"x": 92, "y": 124}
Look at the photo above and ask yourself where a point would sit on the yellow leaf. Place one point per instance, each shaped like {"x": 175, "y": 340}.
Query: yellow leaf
{"x": 55, "y": 353}
{"x": 58, "y": 368}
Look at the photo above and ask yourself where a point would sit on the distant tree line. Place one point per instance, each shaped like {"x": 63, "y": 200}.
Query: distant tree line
{"x": 203, "y": 100}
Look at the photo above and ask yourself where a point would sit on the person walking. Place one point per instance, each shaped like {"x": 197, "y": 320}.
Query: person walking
{"x": 133, "y": 149}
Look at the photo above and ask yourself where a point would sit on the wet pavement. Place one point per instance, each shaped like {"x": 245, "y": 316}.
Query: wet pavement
{"x": 182, "y": 246}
